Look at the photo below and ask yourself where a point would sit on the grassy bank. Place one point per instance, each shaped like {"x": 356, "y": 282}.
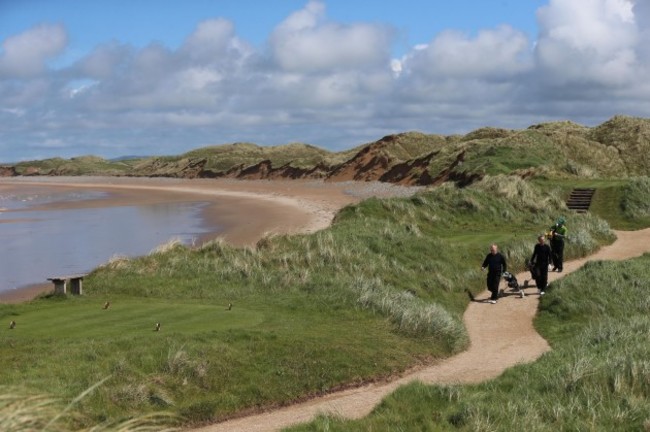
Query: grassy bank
{"x": 596, "y": 378}
{"x": 22, "y": 412}
{"x": 380, "y": 291}
{"x": 622, "y": 202}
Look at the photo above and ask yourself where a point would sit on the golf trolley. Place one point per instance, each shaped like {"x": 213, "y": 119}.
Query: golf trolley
{"x": 513, "y": 284}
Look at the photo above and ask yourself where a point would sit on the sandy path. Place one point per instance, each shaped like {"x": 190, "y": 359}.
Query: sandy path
{"x": 501, "y": 336}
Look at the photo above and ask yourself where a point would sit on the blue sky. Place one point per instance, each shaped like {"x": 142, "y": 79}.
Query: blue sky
{"x": 142, "y": 77}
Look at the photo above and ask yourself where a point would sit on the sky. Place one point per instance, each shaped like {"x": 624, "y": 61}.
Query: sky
{"x": 115, "y": 78}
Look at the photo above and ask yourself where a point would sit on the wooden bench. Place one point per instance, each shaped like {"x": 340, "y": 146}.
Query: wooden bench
{"x": 76, "y": 283}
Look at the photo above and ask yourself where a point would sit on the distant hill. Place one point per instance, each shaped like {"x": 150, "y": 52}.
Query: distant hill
{"x": 127, "y": 158}
{"x": 619, "y": 147}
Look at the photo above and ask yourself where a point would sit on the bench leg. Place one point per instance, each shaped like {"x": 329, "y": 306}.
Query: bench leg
{"x": 59, "y": 286}
{"x": 76, "y": 286}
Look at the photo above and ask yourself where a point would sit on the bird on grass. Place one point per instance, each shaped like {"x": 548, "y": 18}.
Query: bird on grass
{"x": 12, "y": 325}
{"x": 157, "y": 326}
{"x": 229, "y": 306}
{"x": 106, "y": 305}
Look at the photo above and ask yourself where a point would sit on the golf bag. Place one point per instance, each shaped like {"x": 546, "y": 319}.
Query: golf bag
{"x": 513, "y": 284}
{"x": 534, "y": 272}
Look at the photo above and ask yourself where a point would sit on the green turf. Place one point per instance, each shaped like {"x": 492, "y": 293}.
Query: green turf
{"x": 81, "y": 318}
{"x": 380, "y": 291}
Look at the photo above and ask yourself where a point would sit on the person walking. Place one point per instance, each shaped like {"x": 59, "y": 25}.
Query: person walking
{"x": 540, "y": 260}
{"x": 558, "y": 233}
{"x": 495, "y": 264}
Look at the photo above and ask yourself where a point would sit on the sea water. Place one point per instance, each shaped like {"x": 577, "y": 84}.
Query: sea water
{"x": 35, "y": 244}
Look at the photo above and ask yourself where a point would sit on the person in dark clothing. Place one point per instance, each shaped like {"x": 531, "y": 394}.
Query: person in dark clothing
{"x": 541, "y": 259}
{"x": 496, "y": 265}
{"x": 558, "y": 233}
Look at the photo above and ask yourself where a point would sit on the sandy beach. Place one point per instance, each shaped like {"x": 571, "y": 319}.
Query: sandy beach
{"x": 248, "y": 210}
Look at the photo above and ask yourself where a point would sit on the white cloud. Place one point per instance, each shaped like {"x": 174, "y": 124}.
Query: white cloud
{"x": 307, "y": 42}
{"x": 590, "y": 40}
{"x": 18, "y": 112}
{"x": 198, "y": 79}
{"x": 325, "y": 82}
{"x": 492, "y": 54}
{"x": 104, "y": 61}
{"x": 78, "y": 87}
{"x": 25, "y": 54}
{"x": 213, "y": 42}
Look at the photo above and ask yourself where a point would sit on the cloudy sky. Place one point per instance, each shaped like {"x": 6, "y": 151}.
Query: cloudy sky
{"x": 153, "y": 77}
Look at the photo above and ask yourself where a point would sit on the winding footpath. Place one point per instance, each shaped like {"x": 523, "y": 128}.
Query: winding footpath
{"x": 501, "y": 336}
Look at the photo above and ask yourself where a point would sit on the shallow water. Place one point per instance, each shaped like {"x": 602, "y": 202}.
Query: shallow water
{"x": 41, "y": 244}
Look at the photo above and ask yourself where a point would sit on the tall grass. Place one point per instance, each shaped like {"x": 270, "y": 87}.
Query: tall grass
{"x": 635, "y": 201}
{"x": 22, "y": 411}
{"x": 411, "y": 314}
{"x": 379, "y": 291}
{"x": 596, "y": 378}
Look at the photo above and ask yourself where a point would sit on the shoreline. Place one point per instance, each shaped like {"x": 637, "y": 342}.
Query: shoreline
{"x": 246, "y": 210}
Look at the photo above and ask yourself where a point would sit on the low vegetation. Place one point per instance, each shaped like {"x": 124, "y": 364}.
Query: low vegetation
{"x": 635, "y": 202}
{"x": 84, "y": 165}
{"x": 21, "y": 412}
{"x": 623, "y": 202}
{"x": 193, "y": 332}
{"x": 594, "y": 379}
{"x": 380, "y": 291}
{"x": 618, "y": 148}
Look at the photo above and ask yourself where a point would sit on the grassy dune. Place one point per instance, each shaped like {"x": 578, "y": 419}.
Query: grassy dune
{"x": 378, "y": 292}
{"x": 618, "y": 148}
{"x": 596, "y": 378}
{"x": 623, "y": 202}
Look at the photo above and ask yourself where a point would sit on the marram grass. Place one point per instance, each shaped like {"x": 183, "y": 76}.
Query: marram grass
{"x": 21, "y": 411}
{"x": 635, "y": 202}
{"x": 378, "y": 292}
{"x": 596, "y": 378}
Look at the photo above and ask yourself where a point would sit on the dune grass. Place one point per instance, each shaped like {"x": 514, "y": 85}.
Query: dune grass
{"x": 380, "y": 291}
{"x": 83, "y": 165}
{"x": 622, "y": 202}
{"x": 21, "y": 411}
{"x": 596, "y": 378}
{"x": 635, "y": 202}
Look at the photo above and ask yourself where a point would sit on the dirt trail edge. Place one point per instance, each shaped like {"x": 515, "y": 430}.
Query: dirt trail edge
{"x": 501, "y": 336}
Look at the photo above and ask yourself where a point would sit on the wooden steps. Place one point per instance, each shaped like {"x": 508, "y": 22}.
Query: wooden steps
{"x": 580, "y": 199}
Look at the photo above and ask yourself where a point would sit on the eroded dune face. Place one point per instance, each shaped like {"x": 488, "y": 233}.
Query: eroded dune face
{"x": 618, "y": 147}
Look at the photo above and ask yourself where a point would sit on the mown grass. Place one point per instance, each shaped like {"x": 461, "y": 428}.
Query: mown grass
{"x": 380, "y": 291}
{"x": 596, "y": 378}
{"x": 204, "y": 361}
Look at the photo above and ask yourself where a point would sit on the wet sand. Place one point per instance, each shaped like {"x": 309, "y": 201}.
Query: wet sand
{"x": 246, "y": 210}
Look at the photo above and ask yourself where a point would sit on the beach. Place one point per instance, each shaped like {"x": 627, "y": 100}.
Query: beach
{"x": 246, "y": 210}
